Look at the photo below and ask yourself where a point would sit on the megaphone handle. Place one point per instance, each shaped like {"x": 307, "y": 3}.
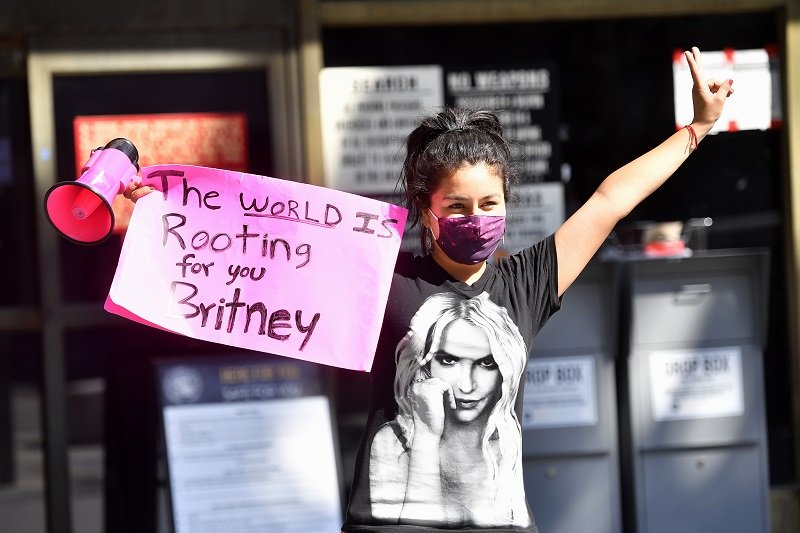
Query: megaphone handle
{"x": 126, "y": 178}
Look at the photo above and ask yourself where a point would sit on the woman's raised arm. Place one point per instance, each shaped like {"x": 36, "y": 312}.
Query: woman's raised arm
{"x": 579, "y": 238}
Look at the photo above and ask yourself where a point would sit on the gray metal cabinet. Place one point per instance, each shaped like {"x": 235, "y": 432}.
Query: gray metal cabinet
{"x": 694, "y": 445}
{"x": 570, "y": 451}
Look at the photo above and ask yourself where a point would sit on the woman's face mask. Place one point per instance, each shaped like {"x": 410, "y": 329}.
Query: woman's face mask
{"x": 470, "y": 239}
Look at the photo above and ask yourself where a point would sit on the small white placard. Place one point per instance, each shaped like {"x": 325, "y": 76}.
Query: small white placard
{"x": 367, "y": 112}
{"x": 265, "y": 466}
{"x": 560, "y": 392}
{"x": 700, "y": 383}
{"x": 535, "y": 211}
{"x": 751, "y": 107}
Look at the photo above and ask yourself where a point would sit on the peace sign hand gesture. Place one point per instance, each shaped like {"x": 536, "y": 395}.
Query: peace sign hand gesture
{"x": 708, "y": 95}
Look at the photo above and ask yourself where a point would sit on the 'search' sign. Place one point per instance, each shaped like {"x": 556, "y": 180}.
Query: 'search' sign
{"x": 259, "y": 263}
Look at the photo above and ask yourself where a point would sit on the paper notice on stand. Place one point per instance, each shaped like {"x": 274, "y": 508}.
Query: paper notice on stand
{"x": 249, "y": 445}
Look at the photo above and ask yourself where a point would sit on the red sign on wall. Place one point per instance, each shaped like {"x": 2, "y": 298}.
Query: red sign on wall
{"x": 216, "y": 140}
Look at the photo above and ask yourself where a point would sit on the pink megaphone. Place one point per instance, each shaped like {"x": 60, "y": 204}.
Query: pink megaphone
{"x": 81, "y": 210}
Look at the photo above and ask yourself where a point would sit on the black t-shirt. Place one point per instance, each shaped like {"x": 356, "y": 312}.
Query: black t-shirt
{"x": 442, "y": 449}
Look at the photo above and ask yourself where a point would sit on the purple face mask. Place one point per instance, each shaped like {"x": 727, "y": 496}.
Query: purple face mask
{"x": 470, "y": 239}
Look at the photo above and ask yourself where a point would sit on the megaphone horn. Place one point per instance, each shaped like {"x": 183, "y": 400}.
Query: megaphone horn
{"x": 80, "y": 210}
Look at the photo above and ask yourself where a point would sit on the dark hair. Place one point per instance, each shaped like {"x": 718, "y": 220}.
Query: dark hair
{"x": 445, "y": 142}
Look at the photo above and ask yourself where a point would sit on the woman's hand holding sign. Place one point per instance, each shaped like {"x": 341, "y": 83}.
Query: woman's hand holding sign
{"x": 137, "y": 190}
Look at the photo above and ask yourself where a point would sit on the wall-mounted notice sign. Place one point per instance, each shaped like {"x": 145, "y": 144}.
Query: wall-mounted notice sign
{"x": 526, "y": 102}
{"x": 699, "y": 383}
{"x": 249, "y": 446}
{"x": 560, "y": 392}
{"x": 217, "y": 140}
{"x": 259, "y": 263}
{"x": 536, "y": 211}
{"x": 756, "y": 103}
{"x": 367, "y": 112}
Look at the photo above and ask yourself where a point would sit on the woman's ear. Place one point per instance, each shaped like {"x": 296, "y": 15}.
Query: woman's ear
{"x": 425, "y": 215}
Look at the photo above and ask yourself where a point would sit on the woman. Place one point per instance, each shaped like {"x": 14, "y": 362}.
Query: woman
{"x": 456, "y": 176}
{"x": 409, "y": 475}
{"x": 458, "y": 370}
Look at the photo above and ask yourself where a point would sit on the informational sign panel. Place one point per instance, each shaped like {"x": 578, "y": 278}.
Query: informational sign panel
{"x": 259, "y": 263}
{"x": 526, "y": 102}
{"x": 367, "y": 112}
{"x": 755, "y": 104}
{"x": 560, "y": 392}
{"x": 249, "y": 446}
{"x": 536, "y": 211}
{"x": 698, "y": 383}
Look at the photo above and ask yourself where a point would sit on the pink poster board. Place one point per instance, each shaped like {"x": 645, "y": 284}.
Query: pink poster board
{"x": 259, "y": 263}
